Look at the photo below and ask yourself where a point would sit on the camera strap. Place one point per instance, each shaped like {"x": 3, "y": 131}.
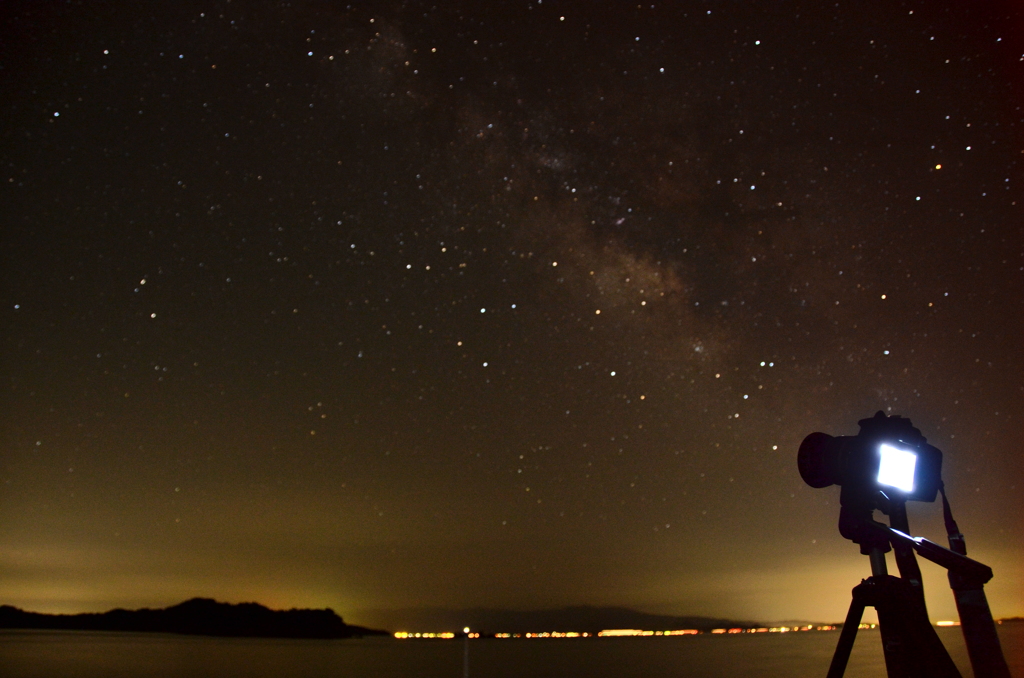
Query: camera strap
{"x": 956, "y": 538}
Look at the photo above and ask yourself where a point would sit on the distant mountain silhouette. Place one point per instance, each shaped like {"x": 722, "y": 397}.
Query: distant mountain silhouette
{"x": 199, "y": 616}
{"x": 579, "y": 618}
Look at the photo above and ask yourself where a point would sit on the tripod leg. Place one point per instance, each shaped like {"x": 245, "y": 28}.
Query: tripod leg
{"x": 846, "y": 638}
{"x": 980, "y": 632}
{"x": 912, "y": 647}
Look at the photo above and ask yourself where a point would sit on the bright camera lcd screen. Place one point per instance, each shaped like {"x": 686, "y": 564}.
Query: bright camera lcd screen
{"x": 896, "y": 467}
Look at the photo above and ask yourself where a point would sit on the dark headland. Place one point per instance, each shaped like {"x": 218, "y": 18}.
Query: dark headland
{"x": 199, "y": 616}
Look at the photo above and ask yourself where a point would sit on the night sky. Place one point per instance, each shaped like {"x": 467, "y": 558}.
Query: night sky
{"x": 510, "y": 304}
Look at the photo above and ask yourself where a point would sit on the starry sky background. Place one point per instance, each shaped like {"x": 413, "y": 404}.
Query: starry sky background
{"x": 509, "y": 304}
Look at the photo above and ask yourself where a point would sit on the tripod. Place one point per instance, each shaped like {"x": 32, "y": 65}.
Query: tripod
{"x": 911, "y": 646}
{"x": 885, "y": 465}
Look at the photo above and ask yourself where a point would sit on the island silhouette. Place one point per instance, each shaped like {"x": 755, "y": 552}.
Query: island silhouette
{"x": 207, "y": 617}
{"x": 198, "y": 616}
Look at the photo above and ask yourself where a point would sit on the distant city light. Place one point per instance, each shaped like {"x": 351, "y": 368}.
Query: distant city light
{"x": 626, "y": 633}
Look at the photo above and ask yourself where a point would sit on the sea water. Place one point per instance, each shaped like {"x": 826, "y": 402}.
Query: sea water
{"x": 83, "y": 654}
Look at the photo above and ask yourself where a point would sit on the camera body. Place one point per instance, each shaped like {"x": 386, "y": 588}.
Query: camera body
{"x": 888, "y": 459}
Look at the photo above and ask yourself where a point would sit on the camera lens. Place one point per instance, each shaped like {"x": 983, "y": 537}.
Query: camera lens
{"x": 817, "y": 460}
